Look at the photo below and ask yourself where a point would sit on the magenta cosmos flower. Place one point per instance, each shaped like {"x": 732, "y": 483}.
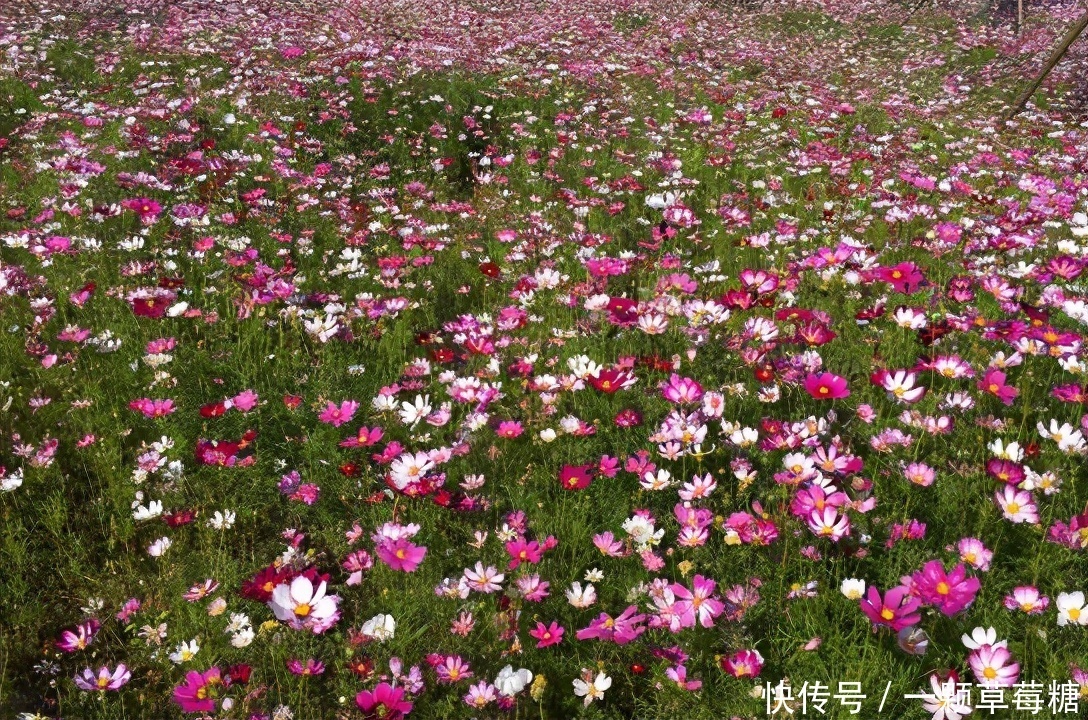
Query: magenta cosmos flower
{"x": 896, "y": 610}
{"x": 948, "y": 592}
{"x": 743, "y": 663}
{"x": 993, "y": 382}
{"x": 79, "y": 637}
{"x": 826, "y": 386}
{"x": 384, "y": 701}
{"x": 547, "y": 635}
{"x": 199, "y": 691}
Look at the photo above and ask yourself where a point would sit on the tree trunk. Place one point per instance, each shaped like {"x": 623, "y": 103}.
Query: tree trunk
{"x": 1055, "y": 57}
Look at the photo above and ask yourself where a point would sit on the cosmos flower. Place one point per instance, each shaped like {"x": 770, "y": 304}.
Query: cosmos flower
{"x": 104, "y": 680}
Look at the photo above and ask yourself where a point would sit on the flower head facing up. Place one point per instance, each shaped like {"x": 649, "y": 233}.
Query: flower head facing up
{"x": 949, "y": 592}
{"x": 104, "y": 680}
{"x": 895, "y": 610}
{"x": 305, "y": 607}
{"x": 826, "y": 386}
{"x": 200, "y": 691}
{"x": 384, "y": 702}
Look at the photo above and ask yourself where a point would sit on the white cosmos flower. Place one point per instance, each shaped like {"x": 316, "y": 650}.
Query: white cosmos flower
{"x": 409, "y": 468}
{"x": 510, "y": 681}
{"x": 301, "y": 605}
{"x": 152, "y": 510}
{"x": 982, "y": 636}
{"x": 185, "y": 652}
{"x": 380, "y": 627}
{"x": 1071, "y": 610}
{"x": 412, "y": 412}
{"x": 592, "y": 688}
{"x": 157, "y": 548}
{"x": 853, "y": 588}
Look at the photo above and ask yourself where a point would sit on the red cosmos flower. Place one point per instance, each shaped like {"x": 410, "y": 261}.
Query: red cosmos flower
{"x": 292, "y": 401}
{"x": 628, "y": 417}
{"x": 576, "y": 477}
{"x": 490, "y": 269}
{"x": 826, "y": 386}
{"x": 238, "y": 674}
{"x": 609, "y": 380}
{"x": 442, "y": 355}
{"x": 622, "y": 312}
{"x": 177, "y": 518}
{"x": 151, "y": 303}
{"x": 213, "y": 410}
{"x": 764, "y": 372}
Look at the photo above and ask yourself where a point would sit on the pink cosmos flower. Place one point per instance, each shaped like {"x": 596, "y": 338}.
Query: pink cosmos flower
{"x": 337, "y": 416}
{"x": 365, "y": 437}
{"x": 828, "y": 523}
{"x": 699, "y": 603}
{"x": 1027, "y": 599}
{"x": 450, "y": 669}
{"x": 904, "y": 277}
{"x": 993, "y": 667}
{"x": 920, "y": 474}
{"x": 305, "y": 669}
{"x": 400, "y": 554}
{"x": 975, "y": 554}
{"x": 1018, "y": 506}
{"x": 607, "y": 543}
{"x": 948, "y": 592}
{"x": 509, "y": 429}
{"x": 993, "y": 382}
{"x": 895, "y": 610}
{"x": 621, "y": 630}
{"x": 826, "y": 386}
{"x": 481, "y": 695}
{"x": 681, "y": 390}
{"x": 547, "y": 635}
{"x": 104, "y": 680}
{"x": 153, "y": 408}
{"x": 245, "y": 401}
{"x": 679, "y": 675}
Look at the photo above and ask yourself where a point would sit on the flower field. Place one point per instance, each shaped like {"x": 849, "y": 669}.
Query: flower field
{"x": 519, "y": 359}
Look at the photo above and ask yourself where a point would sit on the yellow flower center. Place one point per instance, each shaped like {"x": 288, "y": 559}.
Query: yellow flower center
{"x": 989, "y": 673}
{"x": 942, "y": 588}
{"x": 887, "y": 614}
{"x": 303, "y": 610}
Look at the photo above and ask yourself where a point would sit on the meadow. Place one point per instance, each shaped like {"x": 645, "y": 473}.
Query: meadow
{"x": 507, "y": 358}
